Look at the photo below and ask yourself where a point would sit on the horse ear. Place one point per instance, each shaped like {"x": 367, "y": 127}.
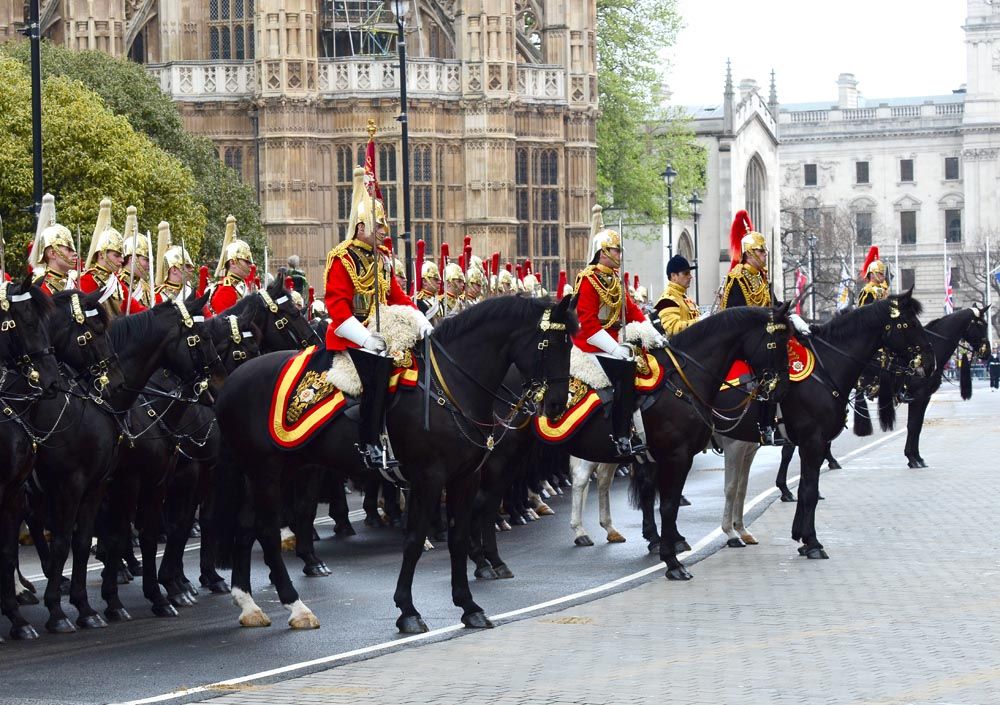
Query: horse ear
{"x": 195, "y": 306}
{"x": 563, "y": 304}
{"x": 784, "y": 308}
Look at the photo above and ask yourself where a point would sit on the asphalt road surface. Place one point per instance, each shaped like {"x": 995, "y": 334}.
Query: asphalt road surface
{"x": 150, "y": 656}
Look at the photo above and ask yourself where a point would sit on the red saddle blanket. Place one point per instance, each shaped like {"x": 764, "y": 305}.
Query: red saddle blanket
{"x": 801, "y": 363}
{"x": 584, "y": 401}
{"x": 304, "y": 400}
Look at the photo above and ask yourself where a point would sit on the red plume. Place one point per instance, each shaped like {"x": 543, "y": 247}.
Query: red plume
{"x": 202, "y": 280}
{"x": 387, "y": 241}
{"x": 444, "y": 263}
{"x": 468, "y": 254}
{"x": 741, "y": 226}
{"x": 562, "y": 284}
{"x": 30, "y": 272}
{"x": 289, "y": 283}
{"x": 520, "y": 273}
{"x": 509, "y": 267}
{"x": 527, "y": 267}
{"x": 252, "y": 278}
{"x": 461, "y": 263}
{"x": 312, "y": 298}
{"x": 626, "y": 280}
{"x": 872, "y": 256}
{"x": 635, "y": 282}
{"x": 416, "y": 283}
{"x": 467, "y": 242}
{"x": 496, "y": 263}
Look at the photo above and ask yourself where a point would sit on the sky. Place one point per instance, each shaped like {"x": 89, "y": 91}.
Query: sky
{"x": 894, "y": 48}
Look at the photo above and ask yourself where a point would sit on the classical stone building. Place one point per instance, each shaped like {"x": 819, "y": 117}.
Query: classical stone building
{"x": 502, "y": 109}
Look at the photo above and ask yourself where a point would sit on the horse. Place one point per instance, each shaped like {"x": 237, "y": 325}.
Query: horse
{"x": 462, "y": 370}
{"x": 676, "y": 418}
{"x": 29, "y": 371}
{"x": 945, "y": 335}
{"x": 814, "y": 410}
{"x": 781, "y": 480}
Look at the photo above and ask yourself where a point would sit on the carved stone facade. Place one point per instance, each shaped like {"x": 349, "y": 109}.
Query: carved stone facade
{"x": 502, "y": 109}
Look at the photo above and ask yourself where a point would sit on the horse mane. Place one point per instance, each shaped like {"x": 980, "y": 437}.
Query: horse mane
{"x": 88, "y": 301}
{"x": 861, "y": 321}
{"x": 714, "y": 325}
{"x": 502, "y": 308}
{"x": 132, "y": 327}
{"x": 41, "y": 302}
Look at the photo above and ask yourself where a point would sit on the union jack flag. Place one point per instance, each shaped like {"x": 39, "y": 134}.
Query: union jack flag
{"x": 949, "y": 298}
{"x": 800, "y": 285}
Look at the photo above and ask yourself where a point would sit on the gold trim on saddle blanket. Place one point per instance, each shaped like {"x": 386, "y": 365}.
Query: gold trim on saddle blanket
{"x": 314, "y": 403}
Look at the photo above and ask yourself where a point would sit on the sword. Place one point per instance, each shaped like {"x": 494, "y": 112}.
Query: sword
{"x": 149, "y": 270}
{"x": 3, "y": 252}
{"x": 79, "y": 262}
{"x": 378, "y": 264}
{"x": 621, "y": 275}
{"x": 263, "y": 279}
{"x": 131, "y": 278}
{"x": 184, "y": 269}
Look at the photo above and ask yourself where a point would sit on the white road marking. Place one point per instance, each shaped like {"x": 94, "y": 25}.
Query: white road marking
{"x": 405, "y": 641}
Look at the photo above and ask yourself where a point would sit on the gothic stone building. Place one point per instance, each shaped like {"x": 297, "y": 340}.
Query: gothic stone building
{"x": 502, "y": 101}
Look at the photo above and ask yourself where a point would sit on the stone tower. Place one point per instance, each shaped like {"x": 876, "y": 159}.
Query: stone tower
{"x": 980, "y": 137}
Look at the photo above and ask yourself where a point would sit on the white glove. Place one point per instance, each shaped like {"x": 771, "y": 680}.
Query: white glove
{"x": 660, "y": 341}
{"x": 375, "y": 343}
{"x": 604, "y": 342}
{"x": 423, "y": 325}
{"x": 622, "y": 352}
{"x": 352, "y": 329}
{"x": 800, "y": 326}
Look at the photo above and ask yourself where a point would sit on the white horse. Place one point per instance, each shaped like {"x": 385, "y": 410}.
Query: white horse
{"x": 580, "y": 471}
{"x": 739, "y": 456}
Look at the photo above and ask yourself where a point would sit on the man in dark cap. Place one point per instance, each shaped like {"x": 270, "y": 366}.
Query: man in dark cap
{"x": 675, "y": 310}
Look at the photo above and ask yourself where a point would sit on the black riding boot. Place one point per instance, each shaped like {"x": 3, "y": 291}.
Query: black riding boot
{"x": 768, "y": 435}
{"x": 622, "y": 375}
{"x": 374, "y": 371}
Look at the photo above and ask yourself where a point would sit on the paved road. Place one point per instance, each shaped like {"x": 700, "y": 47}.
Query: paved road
{"x": 150, "y": 656}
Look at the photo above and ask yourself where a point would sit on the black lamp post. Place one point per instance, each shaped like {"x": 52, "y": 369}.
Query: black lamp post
{"x": 812, "y": 239}
{"x": 668, "y": 178}
{"x": 694, "y": 202}
{"x": 33, "y": 31}
{"x": 402, "y": 9}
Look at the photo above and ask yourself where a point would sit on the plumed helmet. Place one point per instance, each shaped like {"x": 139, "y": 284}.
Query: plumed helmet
{"x": 398, "y": 268}
{"x": 567, "y": 290}
{"x": 453, "y": 273}
{"x": 232, "y": 248}
{"x": 475, "y": 275}
{"x": 162, "y": 246}
{"x": 105, "y": 237}
{"x": 872, "y": 265}
{"x": 743, "y": 238}
{"x": 49, "y": 233}
{"x": 362, "y": 206}
{"x": 530, "y": 283}
{"x": 318, "y": 309}
{"x": 505, "y": 281}
{"x": 134, "y": 243}
{"x": 601, "y": 238}
{"x": 296, "y": 298}
{"x": 430, "y": 270}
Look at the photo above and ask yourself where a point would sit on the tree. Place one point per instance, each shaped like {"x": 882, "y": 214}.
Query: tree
{"x": 89, "y": 153}
{"x": 975, "y": 276}
{"x": 128, "y": 90}
{"x": 630, "y": 155}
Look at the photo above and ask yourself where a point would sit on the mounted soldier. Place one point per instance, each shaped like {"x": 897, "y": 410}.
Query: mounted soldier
{"x": 876, "y": 287}
{"x": 399, "y": 271}
{"x": 139, "y": 275}
{"x": 104, "y": 262}
{"x": 675, "y": 310}
{"x": 601, "y": 304}
{"x": 427, "y": 298}
{"x": 359, "y": 278}
{"x": 454, "y": 287}
{"x": 505, "y": 283}
{"x": 174, "y": 268}
{"x": 475, "y": 286}
{"x": 232, "y": 271}
{"x": 53, "y": 257}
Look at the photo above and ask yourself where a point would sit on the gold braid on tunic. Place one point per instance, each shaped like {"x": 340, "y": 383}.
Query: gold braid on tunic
{"x": 872, "y": 292}
{"x": 608, "y": 286}
{"x": 751, "y": 282}
{"x": 359, "y": 260}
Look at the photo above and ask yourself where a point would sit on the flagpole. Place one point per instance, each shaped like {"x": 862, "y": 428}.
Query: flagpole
{"x": 895, "y": 265}
{"x": 946, "y": 273}
{"x": 989, "y": 275}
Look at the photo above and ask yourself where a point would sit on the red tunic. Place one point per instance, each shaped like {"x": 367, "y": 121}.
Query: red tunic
{"x": 226, "y": 294}
{"x": 339, "y": 298}
{"x": 588, "y": 306}
{"x": 90, "y": 283}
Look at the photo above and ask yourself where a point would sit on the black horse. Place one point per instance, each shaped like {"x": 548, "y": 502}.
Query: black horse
{"x": 781, "y": 480}
{"x": 469, "y": 355}
{"x": 814, "y": 410}
{"x": 945, "y": 335}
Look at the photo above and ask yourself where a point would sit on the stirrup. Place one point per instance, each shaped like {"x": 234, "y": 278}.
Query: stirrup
{"x": 377, "y": 458}
{"x": 768, "y": 437}
{"x": 629, "y": 448}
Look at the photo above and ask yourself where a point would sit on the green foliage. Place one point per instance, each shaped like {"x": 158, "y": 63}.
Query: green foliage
{"x": 630, "y": 155}
{"x": 88, "y": 153}
{"x": 129, "y": 91}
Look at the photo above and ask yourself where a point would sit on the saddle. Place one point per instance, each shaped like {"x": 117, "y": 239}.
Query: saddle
{"x": 801, "y": 363}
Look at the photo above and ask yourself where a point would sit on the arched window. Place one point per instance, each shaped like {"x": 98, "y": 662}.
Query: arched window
{"x": 685, "y": 248}
{"x": 756, "y": 192}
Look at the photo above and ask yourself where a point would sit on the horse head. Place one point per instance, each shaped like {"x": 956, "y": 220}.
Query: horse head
{"x": 236, "y": 338}
{"x": 976, "y": 334}
{"x": 79, "y": 331}
{"x": 766, "y": 352}
{"x": 189, "y": 350}
{"x": 905, "y": 336}
{"x": 283, "y": 325}
{"x": 544, "y": 358}
{"x": 24, "y": 336}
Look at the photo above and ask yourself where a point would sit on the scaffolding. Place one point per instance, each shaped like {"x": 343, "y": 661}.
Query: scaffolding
{"x": 357, "y": 28}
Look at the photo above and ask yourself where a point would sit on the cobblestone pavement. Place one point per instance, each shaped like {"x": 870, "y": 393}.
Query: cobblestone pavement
{"x": 905, "y": 611}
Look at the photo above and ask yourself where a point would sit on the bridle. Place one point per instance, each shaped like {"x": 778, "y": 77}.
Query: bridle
{"x": 237, "y": 336}
{"x": 23, "y": 358}
{"x": 282, "y": 323}
{"x": 203, "y": 354}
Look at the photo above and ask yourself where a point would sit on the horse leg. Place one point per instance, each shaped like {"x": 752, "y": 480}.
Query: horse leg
{"x": 746, "y": 456}
{"x": 305, "y": 502}
{"x": 339, "y": 511}
{"x": 423, "y": 500}
{"x": 830, "y": 460}
{"x": 605, "y": 476}
{"x": 242, "y": 545}
{"x": 781, "y": 482}
{"x": 179, "y": 506}
{"x": 580, "y": 472}
{"x": 914, "y": 425}
{"x": 150, "y": 508}
{"x": 11, "y": 510}
{"x": 208, "y": 554}
{"x": 672, "y": 473}
{"x": 370, "y": 503}
{"x": 458, "y": 503}
{"x": 83, "y": 537}
{"x": 115, "y": 537}
{"x": 733, "y": 470}
{"x": 804, "y": 526}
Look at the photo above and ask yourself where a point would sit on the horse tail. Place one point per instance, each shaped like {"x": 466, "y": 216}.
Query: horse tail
{"x": 862, "y": 417}
{"x": 229, "y": 493}
{"x": 965, "y": 378}
{"x": 886, "y": 403}
{"x": 641, "y": 484}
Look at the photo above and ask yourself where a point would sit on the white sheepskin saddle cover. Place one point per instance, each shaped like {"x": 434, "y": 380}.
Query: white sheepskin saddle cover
{"x": 400, "y": 331}
{"x": 585, "y": 367}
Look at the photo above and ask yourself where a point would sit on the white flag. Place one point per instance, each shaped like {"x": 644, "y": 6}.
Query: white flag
{"x": 846, "y": 280}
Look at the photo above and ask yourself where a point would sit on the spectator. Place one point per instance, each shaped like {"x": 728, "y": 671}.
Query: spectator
{"x": 298, "y": 276}
{"x": 994, "y": 367}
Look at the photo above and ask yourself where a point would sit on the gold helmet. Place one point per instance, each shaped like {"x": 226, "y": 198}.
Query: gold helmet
{"x": 297, "y": 299}
{"x": 876, "y": 267}
{"x": 476, "y": 276}
{"x": 530, "y": 283}
{"x": 49, "y": 233}
{"x": 429, "y": 270}
{"x": 567, "y": 290}
{"x": 602, "y": 239}
{"x": 362, "y": 206}
{"x": 318, "y": 309}
{"x": 398, "y": 268}
{"x": 105, "y": 237}
{"x": 453, "y": 273}
{"x": 134, "y": 243}
{"x": 232, "y": 248}
{"x": 641, "y": 294}
{"x": 742, "y": 232}
{"x": 506, "y": 281}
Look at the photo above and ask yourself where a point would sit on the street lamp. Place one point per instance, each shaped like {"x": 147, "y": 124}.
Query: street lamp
{"x": 812, "y": 275}
{"x": 402, "y": 10}
{"x": 694, "y": 202}
{"x": 668, "y": 178}
{"x": 33, "y": 31}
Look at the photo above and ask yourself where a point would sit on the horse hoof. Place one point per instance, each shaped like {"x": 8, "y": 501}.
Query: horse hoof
{"x": 117, "y": 614}
{"x": 412, "y": 624}
{"x": 503, "y": 572}
{"x": 317, "y": 570}
{"x": 91, "y": 621}
{"x": 654, "y": 546}
{"x": 372, "y": 522}
{"x": 59, "y": 626}
{"x": 165, "y": 610}
{"x": 485, "y": 573}
{"x": 684, "y": 502}
{"x": 735, "y": 543}
{"x": 816, "y": 553}
{"x": 834, "y": 465}
{"x": 787, "y": 496}
{"x": 615, "y": 537}
{"x": 256, "y": 618}
{"x": 544, "y": 510}
{"x": 583, "y": 541}
{"x": 219, "y": 587}
{"x": 307, "y": 620}
{"x": 181, "y": 599}
{"x": 476, "y": 620}
{"x": 682, "y": 546}
{"x": 25, "y": 632}
{"x": 913, "y": 464}
{"x": 519, "y": 520}
{"x": 26, "y": 598}
{"x": 749, "y": 539}
{"x": 923, "y": 463}
{"x": 345, "y": 530}
{"x": 679, "y": 573}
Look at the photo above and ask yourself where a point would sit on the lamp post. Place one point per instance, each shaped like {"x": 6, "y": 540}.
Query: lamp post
{"x": 668, "y": 178}
{"x": 694, "y": 202}
{"x": 33, "y": 32}
{"x": 812, "y": 275}
{"x": 402, "y": 10}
